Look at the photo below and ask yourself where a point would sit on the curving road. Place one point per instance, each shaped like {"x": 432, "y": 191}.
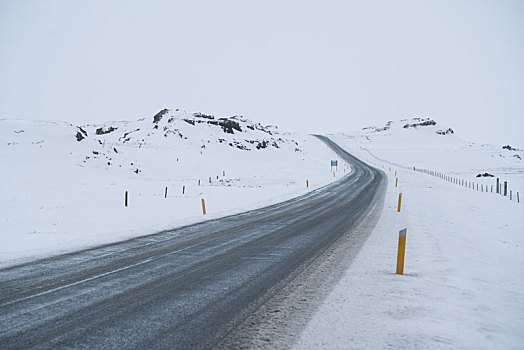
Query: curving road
{"x": 185, "y": 288}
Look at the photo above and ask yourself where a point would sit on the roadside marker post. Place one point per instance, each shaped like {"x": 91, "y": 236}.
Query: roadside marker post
{"x": 307, "y": 183}
{"x": 399, "y": 202}
{"x": 395, "y": 173}
{"x": 125, "y": 202}
{"x": 165, "y": 193}
{"x": 203, "y": 207}
{"x": 401, "y": 251}
{"x": 333, "y": 174}
{"x": 183, "y": 189}
{"x": 396, "y": 182}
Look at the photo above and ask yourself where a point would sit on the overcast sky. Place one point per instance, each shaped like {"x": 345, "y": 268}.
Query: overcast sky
{"x": 310, "y": 66}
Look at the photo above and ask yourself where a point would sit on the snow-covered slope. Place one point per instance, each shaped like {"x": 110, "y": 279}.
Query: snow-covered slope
{"x": 63, "y": 185}
{"x": 424, "y": 143}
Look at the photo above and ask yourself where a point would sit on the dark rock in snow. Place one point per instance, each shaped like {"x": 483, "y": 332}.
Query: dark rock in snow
{"x": 202, "y": 115}
{"x": 445, "y": 132}
{"x": 423, "y": 122}
{"x": 157, "y": 117}
{"x": 485, "y": 175}
{"x": 228, "y": 125}
{"x": 81, "y": 134}
{"x": 101, "y": 131}
{"x": 262, "y": 144}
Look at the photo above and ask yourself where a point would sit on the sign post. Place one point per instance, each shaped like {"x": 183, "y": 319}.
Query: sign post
{"x": 334, "y": 163}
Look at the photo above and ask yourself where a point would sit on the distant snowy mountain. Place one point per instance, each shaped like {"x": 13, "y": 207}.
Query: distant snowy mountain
{"x": 425, "y": 144}
{"x": 415, "y": 123}
{"x": 417, "y": 136}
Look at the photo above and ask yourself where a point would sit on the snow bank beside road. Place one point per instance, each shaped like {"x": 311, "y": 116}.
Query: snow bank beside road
{"x": 463, "y": 286}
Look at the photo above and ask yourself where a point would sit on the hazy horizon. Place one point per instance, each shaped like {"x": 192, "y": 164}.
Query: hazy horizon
{"x": 304, "y": 66}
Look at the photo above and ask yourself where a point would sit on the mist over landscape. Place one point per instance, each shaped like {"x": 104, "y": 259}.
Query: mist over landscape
{"x": 261, "y": 175}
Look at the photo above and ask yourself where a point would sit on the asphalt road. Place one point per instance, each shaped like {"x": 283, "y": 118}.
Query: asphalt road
{"x": 185, "y": 288}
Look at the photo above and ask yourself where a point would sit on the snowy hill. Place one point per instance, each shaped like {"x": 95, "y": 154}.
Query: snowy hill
{"x": 424, "y": 143}
{"x": 64, "y": 185}
{"x": 180, "y": 132}
{"x": 127, "y": 145}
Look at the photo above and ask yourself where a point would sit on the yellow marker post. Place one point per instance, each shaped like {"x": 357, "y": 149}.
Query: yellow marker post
{"x": 395, "y": 173}
{"x": 333, "y": 174}
{"x": 307, "y": 183}
{"x": 399, "y": 201}
{"x": 401, "y": 251}
{"x": 396, "y": 182}
{"x": 203, "y": 207}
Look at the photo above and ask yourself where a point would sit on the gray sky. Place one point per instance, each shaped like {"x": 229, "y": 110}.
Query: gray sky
{"x": 310, "y": 66}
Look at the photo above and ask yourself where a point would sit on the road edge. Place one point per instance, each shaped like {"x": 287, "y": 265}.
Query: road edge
{"x": 279, "y": 321}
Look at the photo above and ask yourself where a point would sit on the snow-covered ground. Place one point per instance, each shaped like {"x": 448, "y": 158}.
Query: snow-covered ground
{"x": 425, "y": 144}
{"x": 63, "y": 189}
{"x": 63, "y": 186}
{"x": 463, "y": 285}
